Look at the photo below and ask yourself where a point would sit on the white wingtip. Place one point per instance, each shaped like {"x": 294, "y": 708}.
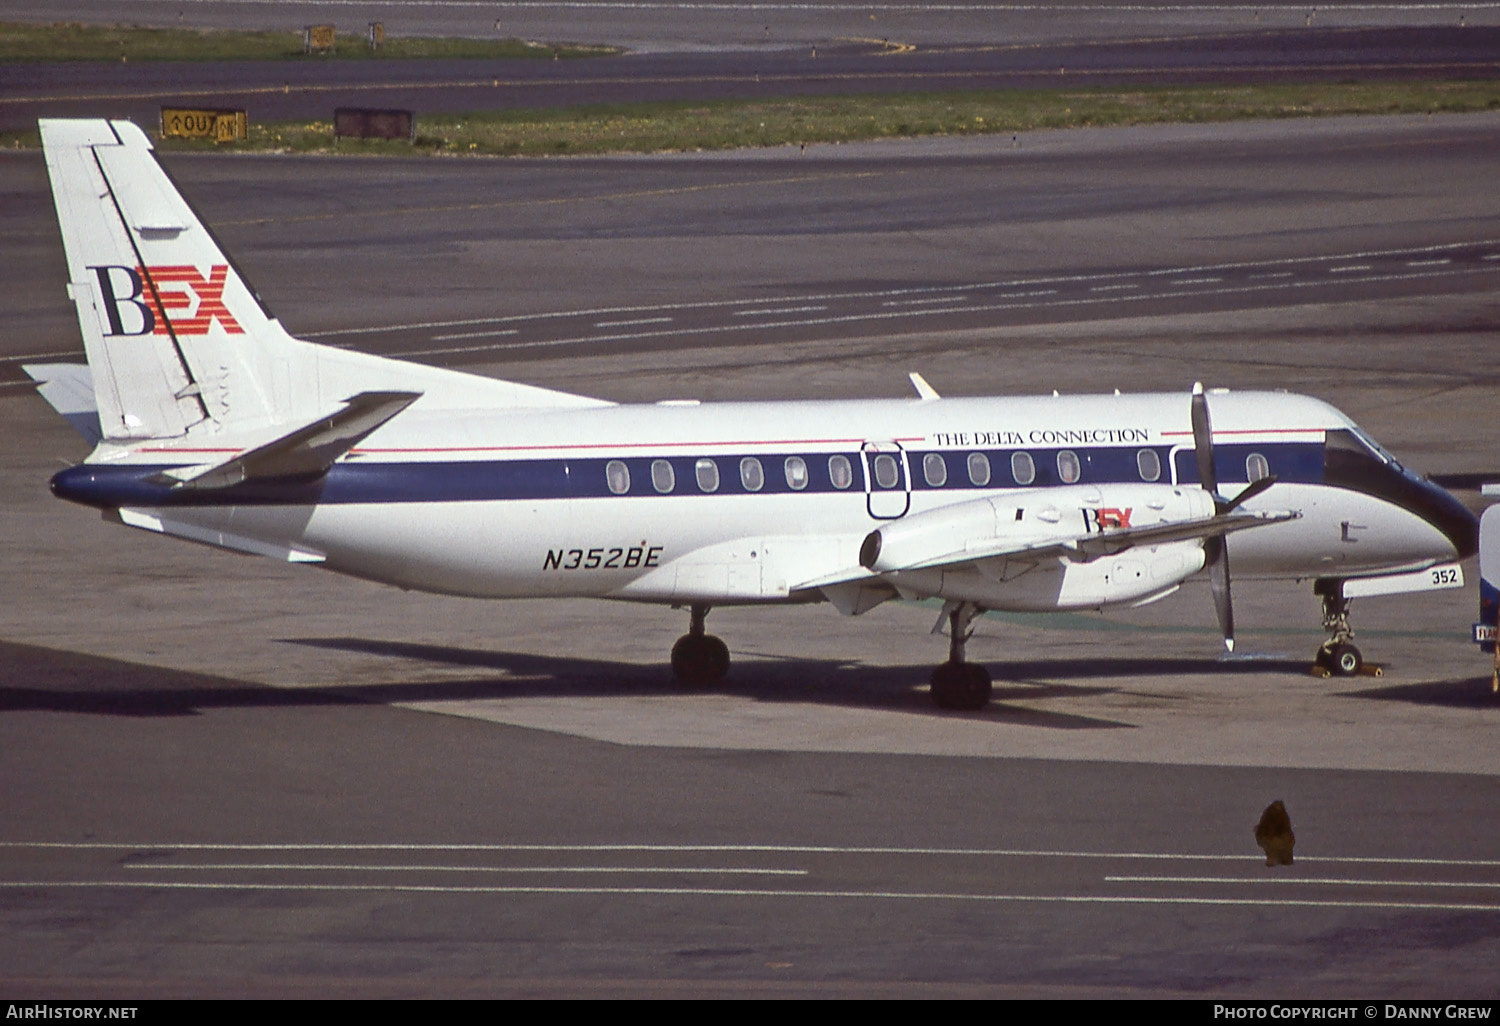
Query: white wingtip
{"x": 924, "y": 390}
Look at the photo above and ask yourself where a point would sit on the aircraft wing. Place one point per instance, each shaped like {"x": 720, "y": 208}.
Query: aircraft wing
{"x": 1084, "y": 548}
{"x": 960, "y": 537}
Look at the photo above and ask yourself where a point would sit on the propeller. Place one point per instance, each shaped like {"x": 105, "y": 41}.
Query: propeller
{"x": 1215, "y": 553}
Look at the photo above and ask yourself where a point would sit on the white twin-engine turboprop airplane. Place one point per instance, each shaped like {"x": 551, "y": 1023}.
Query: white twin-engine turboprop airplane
{"x": 214, "y": 425}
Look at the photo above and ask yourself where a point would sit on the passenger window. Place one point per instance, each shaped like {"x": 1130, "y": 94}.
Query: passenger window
{"x": 662, "y": 477}
{"x": 1257, "y": 467}
{"x": 796, "y": 473}
{"x": 887, "y": 471}
{"x": 840, "y": 472}
{"x": 935, "y": 470}
{"x": 707, "y": 472}
{"x": 1068, "y": 469}
{"x": 617, "y": 476}
{"x": 979, "y": 469}
{"x": 751, "y": 474}
{"x": 1022, "y": 468}
{"x": 1149, "y": 464}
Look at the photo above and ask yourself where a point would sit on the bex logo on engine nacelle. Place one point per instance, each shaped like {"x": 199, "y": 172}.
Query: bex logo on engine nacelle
{"x": 174, "y": 298}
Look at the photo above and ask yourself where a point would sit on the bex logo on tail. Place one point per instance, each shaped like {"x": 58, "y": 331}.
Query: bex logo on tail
{"x": 166, "y": 299}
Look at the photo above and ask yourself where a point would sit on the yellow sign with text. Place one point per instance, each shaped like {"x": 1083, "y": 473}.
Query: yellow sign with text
{"x": 196, "y": 123}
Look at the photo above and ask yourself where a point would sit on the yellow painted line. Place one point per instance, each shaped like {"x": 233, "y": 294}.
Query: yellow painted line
{"x": 887, "y": 48}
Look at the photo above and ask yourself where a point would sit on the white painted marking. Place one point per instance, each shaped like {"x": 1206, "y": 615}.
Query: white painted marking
{"x": 1274, "y": 274}
{"x": 1351, "y": 269}
{"x": 895, "y": 314}
{"x": 477, "y": 334}
{"x": 706, "y": 892}
{"x": 1112, "y": 288}
{"x": 921, "y": 302}
{"x": 638, "y": 320}
{"x": 355, "y": 867}
{"x": 1428, "y": 263}
{"x": 1294, "y": 880}
{"x": 974, "y": 286}
{"x": 75, "y": 354}
{"x": 815, "y": 849}
{"x": 778, "y": 311}
{"x": 1196, "y": 281}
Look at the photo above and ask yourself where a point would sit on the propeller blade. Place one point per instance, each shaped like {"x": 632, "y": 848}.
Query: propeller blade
{"x": 1203, "y": 440}
{"x": 1254, "y": 489}
{"x": 1218, "y": 579}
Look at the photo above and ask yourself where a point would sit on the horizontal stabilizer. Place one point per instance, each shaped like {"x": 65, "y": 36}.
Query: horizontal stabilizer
{"x": 69, "y": 389}
{"x": 153, "y": 520}
{"x": 306, "y": 452}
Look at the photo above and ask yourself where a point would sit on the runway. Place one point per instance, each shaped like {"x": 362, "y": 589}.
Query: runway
{"x": 231, "y": 777}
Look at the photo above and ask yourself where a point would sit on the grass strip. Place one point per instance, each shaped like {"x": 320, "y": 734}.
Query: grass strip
{"x": 731, "y": 124}
{"x": 27, "y": 43}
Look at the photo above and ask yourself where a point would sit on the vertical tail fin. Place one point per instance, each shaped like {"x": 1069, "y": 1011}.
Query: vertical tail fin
{"x": 178, "y": 343}
{"x": 164, "y": 314}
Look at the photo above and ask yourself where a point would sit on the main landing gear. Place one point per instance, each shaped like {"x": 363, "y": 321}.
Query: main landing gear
{"x": 699, "y": 659}
{"x": 1338, "y": 656}
{"x": 958, "y": 684}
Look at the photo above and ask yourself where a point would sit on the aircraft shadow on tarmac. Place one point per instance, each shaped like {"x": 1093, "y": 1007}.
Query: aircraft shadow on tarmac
{"x": 33, "y": 678}
{"x": 1464, "y": 693}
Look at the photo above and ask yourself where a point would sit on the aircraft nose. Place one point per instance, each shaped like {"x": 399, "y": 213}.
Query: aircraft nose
{"x": 1453, "y": 519}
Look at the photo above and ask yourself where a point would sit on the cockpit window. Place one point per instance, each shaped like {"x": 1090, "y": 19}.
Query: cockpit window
{"x": 1351, "y": 461}
{"x": 1370, "y": 443}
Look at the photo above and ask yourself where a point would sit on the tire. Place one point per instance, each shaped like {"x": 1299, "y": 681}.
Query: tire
{"x": 965, "y": 687}
{"x": 1344, "y": 660}
{"x": 699, "y": 660}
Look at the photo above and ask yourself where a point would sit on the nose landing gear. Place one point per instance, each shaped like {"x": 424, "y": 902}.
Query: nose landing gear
{"x": 1338, "y": 656}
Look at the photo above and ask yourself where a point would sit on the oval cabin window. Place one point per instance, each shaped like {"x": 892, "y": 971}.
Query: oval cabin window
{"x": 935, "y": 470}
{"x": 1068, "y": 468}
{"x": 840, "y": 472}
{"x": 707, "y": 473}
{"x": 751, "y": 474}
{"x": 1257, "y": 467}
{"x": 1022, "y": 468}
{"x": 663, "y": 479}
{"x": 1149, "y": 464}
{"x": 796, "y": 473}
{"x": 979, "y": 469}
{"x": 617, "y": 476}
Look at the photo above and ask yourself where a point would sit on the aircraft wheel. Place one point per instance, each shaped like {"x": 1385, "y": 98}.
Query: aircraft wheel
{"x": 962, "y": 686}
{"x": 700, "y": 659}
{"x": 1344, "y": 660}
